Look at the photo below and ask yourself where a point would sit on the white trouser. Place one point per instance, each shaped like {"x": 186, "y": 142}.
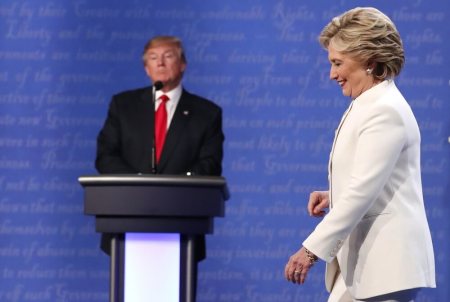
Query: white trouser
{"x": 339, "y": 293}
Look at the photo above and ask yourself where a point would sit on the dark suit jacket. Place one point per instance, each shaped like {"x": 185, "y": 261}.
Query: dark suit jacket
{"x": 194, "y": 141}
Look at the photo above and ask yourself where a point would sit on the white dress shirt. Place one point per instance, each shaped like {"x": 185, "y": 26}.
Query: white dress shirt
{"x": 171, "y": 105}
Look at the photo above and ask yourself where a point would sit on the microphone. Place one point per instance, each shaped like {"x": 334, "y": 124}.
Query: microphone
{"x": 156, "y": 86}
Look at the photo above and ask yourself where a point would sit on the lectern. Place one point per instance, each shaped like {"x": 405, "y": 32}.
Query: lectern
{"x": 153, "y": 219}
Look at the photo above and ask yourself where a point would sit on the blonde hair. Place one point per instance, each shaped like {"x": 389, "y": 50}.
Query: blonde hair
{"x": 369, "y": 36}
{"x": 165, "y": 40}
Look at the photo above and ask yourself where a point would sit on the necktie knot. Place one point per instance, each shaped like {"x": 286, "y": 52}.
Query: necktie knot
{"x": 164, "y": 98}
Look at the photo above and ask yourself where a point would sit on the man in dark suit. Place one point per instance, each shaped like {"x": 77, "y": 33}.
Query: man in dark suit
{"x": 193, "y": 142}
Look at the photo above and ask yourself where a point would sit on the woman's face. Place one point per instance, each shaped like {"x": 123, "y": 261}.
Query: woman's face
{"x": 350, "y": 74}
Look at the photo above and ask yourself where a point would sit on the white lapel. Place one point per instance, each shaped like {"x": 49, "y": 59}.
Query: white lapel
{"x": 330, "y": 164}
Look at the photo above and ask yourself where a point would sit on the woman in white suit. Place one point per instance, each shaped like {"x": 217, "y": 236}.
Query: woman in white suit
{"x": 375, "y": 237}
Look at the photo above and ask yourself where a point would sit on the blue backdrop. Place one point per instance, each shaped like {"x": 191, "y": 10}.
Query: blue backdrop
{"x": 60, "y": 62}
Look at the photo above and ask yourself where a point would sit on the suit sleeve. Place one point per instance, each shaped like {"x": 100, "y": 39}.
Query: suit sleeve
{"x": 209, "y": 159}
{"x": 381, "y": 138}
{"x": 109, "y": 159}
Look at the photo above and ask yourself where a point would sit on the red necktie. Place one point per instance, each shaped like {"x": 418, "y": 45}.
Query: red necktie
{"x": 160, "y": 125}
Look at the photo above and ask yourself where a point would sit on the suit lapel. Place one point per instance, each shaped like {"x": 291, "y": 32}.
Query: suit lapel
{"x": 330, "y": 162}
{"x": 180, "y": 118}
{"x": 145, "y": 117}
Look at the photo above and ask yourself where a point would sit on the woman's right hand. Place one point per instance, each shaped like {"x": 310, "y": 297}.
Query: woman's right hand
{"x": 318, "y": 201}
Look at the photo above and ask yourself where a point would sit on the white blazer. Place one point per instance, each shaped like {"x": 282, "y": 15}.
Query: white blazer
{"x": 376, "y": 231}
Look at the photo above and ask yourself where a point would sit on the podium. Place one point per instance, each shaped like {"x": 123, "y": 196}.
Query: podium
{"x": 153, "y": 219}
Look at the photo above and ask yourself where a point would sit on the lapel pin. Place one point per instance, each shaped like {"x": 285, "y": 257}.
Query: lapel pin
{"x": 186, "y": 112}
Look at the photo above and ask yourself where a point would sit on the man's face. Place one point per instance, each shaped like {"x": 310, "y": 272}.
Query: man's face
{"x": 163, "y": 63}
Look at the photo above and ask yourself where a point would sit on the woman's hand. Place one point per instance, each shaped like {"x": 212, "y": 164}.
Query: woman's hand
{"x": 318, "y": 201}
{"x": 298, "y": 266}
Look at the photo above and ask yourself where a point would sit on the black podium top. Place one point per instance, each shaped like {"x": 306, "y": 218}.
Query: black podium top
{"x": 156, "y": 203}
{"x": 150, "y": 179}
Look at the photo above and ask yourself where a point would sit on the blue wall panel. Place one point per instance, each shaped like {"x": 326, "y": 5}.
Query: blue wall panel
{"x": 60, "y": 62}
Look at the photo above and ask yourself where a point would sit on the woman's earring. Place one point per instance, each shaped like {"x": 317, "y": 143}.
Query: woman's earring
{"x": 369, "y": 71}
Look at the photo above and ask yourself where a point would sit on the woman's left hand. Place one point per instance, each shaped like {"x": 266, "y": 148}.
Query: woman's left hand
{"x": 298, "y": 267}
